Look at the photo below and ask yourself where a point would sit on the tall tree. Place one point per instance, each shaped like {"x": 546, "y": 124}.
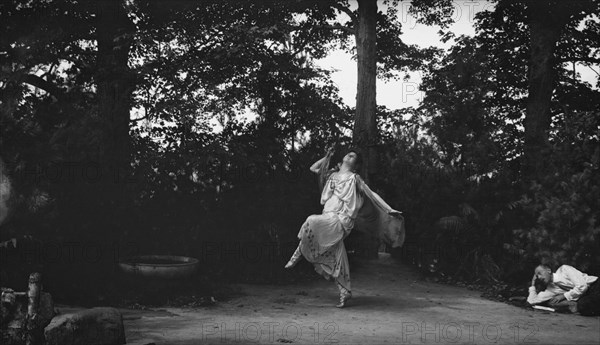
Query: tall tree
{"x": 479, "y": 88}
{"x": 547, "y": 21}
{"x": 365, "y": 122}
{"x": 380, "y": 52}
{"x": 549, "y": 33}
{"x": 115, "y": 83}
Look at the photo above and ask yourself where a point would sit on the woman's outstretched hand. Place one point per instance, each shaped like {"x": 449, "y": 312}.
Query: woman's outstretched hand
{"x": 330, "y": 151}
{"x": 318, "y": 164}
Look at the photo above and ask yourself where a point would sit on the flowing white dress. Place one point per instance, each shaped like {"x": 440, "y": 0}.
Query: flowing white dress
{"x": 348, "y": 203}
{"x": 321, "y": 236}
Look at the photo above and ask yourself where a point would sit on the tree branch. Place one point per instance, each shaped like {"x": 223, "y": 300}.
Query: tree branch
{"x": 598, "y": 74}
{"x": 43, "y": 84}
{"x": 346, "y": 126}
{"x": 139, "y": 118}
{"x": 579, "y": 59}
{"x": 350, "y": 14}
{"x": 337, "y": 27}
{"x": 301, "y": 47}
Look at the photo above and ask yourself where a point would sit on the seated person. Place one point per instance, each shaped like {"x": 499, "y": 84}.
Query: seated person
{"x": 567, "y": 288}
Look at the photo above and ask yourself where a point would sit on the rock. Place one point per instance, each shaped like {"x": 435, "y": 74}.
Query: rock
{"x": 96, "y": 326}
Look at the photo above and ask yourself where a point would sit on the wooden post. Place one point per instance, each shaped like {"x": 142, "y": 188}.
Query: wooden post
{"x": 34, "y": 335}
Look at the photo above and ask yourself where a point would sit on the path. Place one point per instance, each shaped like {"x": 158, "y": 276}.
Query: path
{"x": 391, "y": 305}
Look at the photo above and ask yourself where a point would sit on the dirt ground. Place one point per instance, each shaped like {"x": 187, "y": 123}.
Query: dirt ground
{"x": 391, "y": 304}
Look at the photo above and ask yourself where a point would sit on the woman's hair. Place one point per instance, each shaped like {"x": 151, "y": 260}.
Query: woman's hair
{"x": 338, "y": 156}
{"x": 358, "y": 161}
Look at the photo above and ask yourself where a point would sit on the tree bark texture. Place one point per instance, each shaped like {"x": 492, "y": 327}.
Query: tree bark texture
{"x": 115, "y": 84}
{"x": 365, "y": 126}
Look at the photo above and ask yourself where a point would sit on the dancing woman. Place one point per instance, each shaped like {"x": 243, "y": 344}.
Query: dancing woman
{"x": 347, "y": 200}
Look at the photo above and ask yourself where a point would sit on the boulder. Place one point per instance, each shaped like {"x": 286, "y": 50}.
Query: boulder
{"x": 96, "y": 326}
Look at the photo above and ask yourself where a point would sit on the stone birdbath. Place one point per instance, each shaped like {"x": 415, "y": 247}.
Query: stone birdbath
{"x": 159, "y": 267}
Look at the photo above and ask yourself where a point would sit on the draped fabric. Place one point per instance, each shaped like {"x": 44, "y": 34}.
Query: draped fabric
{"x": 373, "y": 217}
{"x": 321, "y": 236}
{"x": 347, "y": 203}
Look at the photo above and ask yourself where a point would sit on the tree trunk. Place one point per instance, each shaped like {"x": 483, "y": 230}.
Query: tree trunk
{"x": 544, "y": 35}
{"x": 365, "y": 126}
{"x": 547, "y": 18}
{"x": 115, "y": 86}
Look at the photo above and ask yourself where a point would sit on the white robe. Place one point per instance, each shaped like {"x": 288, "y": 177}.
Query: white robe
{"x": 321, "y": 236}
{"x": 348, "y": 202}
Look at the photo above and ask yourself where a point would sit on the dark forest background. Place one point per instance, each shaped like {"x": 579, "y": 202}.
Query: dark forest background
{"x": 107, "y": 111}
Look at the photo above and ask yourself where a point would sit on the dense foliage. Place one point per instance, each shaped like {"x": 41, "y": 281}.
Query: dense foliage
{"x": 475, "y": 107}
{"x": 228, "y": 109}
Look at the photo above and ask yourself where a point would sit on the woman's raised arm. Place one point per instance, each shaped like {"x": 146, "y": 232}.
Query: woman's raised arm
{"x": 317, "y": 165}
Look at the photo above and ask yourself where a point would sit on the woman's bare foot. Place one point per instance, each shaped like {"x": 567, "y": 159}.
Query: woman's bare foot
{"x": 294, "y": 259}
{"x": 291, "y": 263}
